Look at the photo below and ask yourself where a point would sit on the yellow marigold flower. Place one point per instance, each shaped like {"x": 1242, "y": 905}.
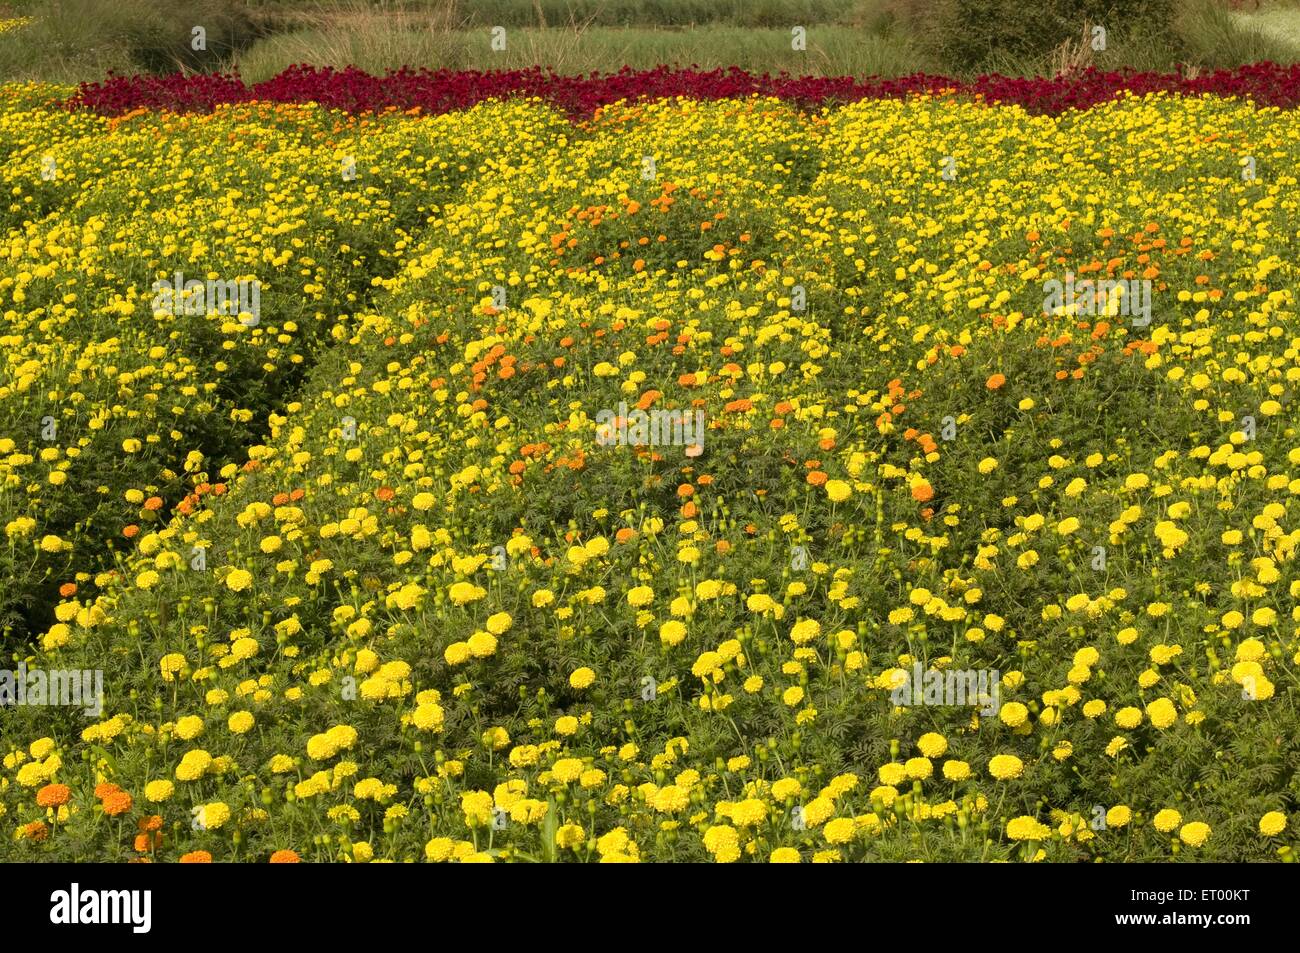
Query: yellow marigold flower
{"x": 839, "y": 831}
{"x": 1166, "y": 820}
{"x": 462, "y": 593}
{"x": 566, "y": 725}
{"x": 212, "y": 816}
{"x": 482, "y": 644}
{"x": 1013, "y": 714}
{"x": 1118, "y": 816}
{"x": 818, "y": 810}
{"x": 956, "y": 770}
{"x": 640, "y": 596}
{"x": 892, "y": 773}
{"x": 191, "y": 726}
{"x": 723, "y": 843}
{"x": 1027, "y": 828}
{"x": 672, "y": 632}
{"x": 1005, "y": 767}
{"x": 670, "y": 799}
{"x": 570, "y": 837}
{"x": 749, "y": 812}
{"x": 1272, "y": 823}
{"x": 1162, "y": 713}
{"x": 567, "y": 770}
{"x": 786, "y": 789}
{"x": 1128, "y": 717}
{"x": 1194, "y": 834}
{"x": 805, "y": 630}
{"x": 439, "y": 849}
{"x": 918, "y": 769}
{"x": 477, "y": 808}
{"x": 428, "y": 716}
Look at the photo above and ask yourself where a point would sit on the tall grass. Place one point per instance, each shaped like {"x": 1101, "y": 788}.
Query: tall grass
{"x": 70, "y": 40}
{"x": 544, "y": 13}
{"x": 1216, "y": 38}
{"x": 581, "y": 49}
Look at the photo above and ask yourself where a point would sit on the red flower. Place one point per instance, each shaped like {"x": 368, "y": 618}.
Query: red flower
{"x": 438, "y": 91}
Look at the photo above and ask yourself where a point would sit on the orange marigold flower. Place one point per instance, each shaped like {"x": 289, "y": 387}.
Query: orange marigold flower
{"x": 196, "y": 857}
{"x": 285, "y": 857}
{"x": 153, "y": 503}
{"x": 119, "y": 802}
{"x": 104, "y": 788}
{"x": 130, "y": 531}
{"x": 923, "y": 492}
{"x": 68, "y": 590}
{"x": 995, "y": 381}
{"x": 53, "y": 795}
{"x": 35, "y": 831}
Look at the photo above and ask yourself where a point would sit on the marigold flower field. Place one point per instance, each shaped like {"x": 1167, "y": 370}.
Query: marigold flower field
{"x": 365, "y": 582}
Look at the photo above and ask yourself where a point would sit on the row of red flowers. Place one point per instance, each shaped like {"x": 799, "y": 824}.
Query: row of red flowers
{"x": 438, "y": 91}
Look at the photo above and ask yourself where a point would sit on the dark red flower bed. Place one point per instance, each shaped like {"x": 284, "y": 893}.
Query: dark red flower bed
{"x": 438, "y": 91}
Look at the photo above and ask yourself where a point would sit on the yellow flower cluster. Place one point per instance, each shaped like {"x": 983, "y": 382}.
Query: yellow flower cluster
{"x": 910, "y": 562}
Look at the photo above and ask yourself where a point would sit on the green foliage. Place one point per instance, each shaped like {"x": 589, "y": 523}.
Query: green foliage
{"x": 971, "y": 34}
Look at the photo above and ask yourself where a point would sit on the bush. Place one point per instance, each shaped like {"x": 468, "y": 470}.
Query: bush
{"x": 972, "y": 34}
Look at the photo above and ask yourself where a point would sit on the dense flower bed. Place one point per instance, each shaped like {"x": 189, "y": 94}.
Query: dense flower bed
{"x": 441, "y": 616}
{"x": 439, "y": 91}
